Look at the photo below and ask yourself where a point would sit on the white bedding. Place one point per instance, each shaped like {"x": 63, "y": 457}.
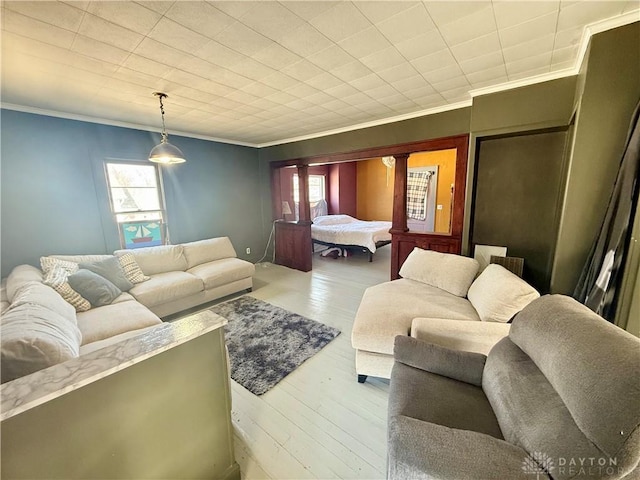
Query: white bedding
{"x": 346, "y": 230}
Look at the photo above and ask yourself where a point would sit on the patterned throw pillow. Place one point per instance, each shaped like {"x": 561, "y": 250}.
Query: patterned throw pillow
{"x": 49, "y": 263}
{"x": 131, "y": 268}
{"x": 56, "y": 278}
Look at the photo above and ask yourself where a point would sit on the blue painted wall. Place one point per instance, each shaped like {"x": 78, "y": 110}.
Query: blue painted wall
{"x": 54, "y": 197}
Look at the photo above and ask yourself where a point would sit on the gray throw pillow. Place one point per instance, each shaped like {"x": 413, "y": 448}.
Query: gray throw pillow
{"x": 110, "y": 269}
{"x": 98, "y": 290}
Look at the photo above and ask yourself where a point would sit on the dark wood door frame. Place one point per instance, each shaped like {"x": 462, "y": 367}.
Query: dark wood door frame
{"x": 450, "y": 242}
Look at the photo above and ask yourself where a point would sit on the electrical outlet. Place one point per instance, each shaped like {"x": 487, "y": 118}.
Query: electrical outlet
{"x": 248, "y": 251}
{"x": 439, "y": 207}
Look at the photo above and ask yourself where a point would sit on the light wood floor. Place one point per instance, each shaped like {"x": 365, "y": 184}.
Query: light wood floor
{"x": 318, "y": 422}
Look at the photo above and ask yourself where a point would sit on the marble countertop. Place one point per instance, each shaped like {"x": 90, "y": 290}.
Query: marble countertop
{"x": 28, "y": 392}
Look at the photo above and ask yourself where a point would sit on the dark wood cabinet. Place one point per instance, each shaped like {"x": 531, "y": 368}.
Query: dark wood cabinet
{"x": 293, "y": 245}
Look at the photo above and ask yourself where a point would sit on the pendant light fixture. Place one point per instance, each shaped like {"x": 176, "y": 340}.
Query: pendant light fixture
{"x": 164, "y": 152}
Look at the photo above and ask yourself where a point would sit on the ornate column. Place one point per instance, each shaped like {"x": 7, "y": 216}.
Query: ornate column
{"x": 304, "y": 214}
{"x": 399, "y": 219}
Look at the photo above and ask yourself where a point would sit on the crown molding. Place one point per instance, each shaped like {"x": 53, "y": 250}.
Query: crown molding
{"x": 117, "y": 123}
{"x": 374, "y": 123}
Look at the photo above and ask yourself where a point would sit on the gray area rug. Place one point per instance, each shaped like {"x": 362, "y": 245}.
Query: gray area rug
{"x": 266, "y": 343}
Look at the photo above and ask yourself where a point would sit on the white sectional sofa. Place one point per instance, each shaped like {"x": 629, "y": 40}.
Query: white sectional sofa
{"x": 439, "y": 300}
{"x": 39, "y": 328}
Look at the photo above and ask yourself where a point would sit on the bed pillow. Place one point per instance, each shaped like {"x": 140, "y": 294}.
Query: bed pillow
{"x": 497, "y": 294}
{"x": 332, "y": 219}
{"x": 446, "y": 271}
{"x": 110, "y": 269}
{"x": 98, "y": 290}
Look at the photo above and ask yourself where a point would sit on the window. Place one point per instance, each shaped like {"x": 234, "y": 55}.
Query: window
{"x": 137, "y": 203}
{"x": 316, "y": 188}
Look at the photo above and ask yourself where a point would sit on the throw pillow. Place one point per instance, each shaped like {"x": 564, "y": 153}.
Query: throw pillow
{"x": 131, "y": 268}
{"x": 49, "y": 263}
{"x": 497, "y": 294}
{"x": 56, "y": 278}
{"x": 110, "y": 269}
{"x": 446, "y": 271}
{"x": 98, "y": 290}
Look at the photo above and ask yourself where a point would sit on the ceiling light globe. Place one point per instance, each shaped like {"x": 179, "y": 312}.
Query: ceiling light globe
{"x": 166, "y": 154}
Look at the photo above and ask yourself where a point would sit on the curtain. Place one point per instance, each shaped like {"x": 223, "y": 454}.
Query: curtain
{"x": 599, "y": 283}
{"x": 417, "y": 189}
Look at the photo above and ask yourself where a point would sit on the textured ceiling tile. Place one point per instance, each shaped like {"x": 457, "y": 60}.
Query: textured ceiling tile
{"x": 330, "y": 58}
{"x": 56, "y": 13}
{"x": 509, "y": 13}
{"x": 529, "y": 73}
{"x": 524, "y": 32}
{"x": 435, "y": 61}
{"x": 271, "y": 20}
{"x": 483, "y": 62}
{"x": 407, "y": 24}
{"x": 186, "y": 78}
{"x": 276, "y": 56}
{"x": 302, "y": 70}
{"x": 323, "y": 81}
{"x": 575, "y": 15}
{"x": 368, "y": 82}
{"x": 242, "y": 39}
{"x": 425, "y": 44}
{"x": 379, "y": 11}
{"x": 341, "y": 21}
{"x": 529, "y": 49}
{"x": 171, "y": 33}
{"x": 235, "y": 9}
{"x": 101, "y": 51}
{"x": 351, "y": 71}
{"x": 456, "y": 95}
{"x": 568, "y": 38}
{"x": 497, "y": 74}
{"x": 249, "y": 68}
{"x": 107, "y": 32}
{"x": 538, "y": 62}
{"x": 309, "y": 9}
{"x": 563, "y": 55}
{"x": 453, "y": 82}
{"x": 453, "y": 74}
{"x": 133, "y": 76}
{"x": 186, "y": 94}
{"x": 32, "y": 28}
{"x": 448, "y": 12}
{"x": 411, "y": 83}
{"x": 130, "y": 15}
{"x": 147, "y": 66}
{"x": 230, "y": 79}
{"x": 200, "y": 17}
{"x": 477, "y": 47}
{"x": 420, "y": 92}
{"x": 469, "y": 27}
{"x": 279, "y": 80}
{"x": 430, "y": 101}
{"x": 366, "y": 42}
{"x": 159, "y": 52}
{"x": 632, "y": 6}
{"x": 160, "y": 6}
{"x": 341, "y": 91}
{"x": 258, "y": 89}
{"x": 305, "y": 40}
{"x": 387, "y": 58}
{"x": 381, "y": 92}
{"x": 81, "y": 4}
{"x": 302, "y": 90}
{"x": 218, "y": 54}
{"x": 405, "y": 70}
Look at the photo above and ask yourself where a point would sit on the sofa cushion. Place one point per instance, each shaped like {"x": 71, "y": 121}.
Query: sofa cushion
{"x": 131, "y": 268}
{"x": 19, "y": 276}
{"x": 221, "y": 272}
{"x": 387, "y": 310}
{"x": 449, "y": 272}
{"x": 81, "y": 258}
{"x": 105, "y": 322}
{"x": 34, "y": 337}
{"x": 497, "y": 294}
{"x": 56, "y": 278}
{"x": 40, "y": 294}
{"x": 160, "y": 259}
{"x": 592, "y": 365}
{"x": 110, "y": 269}
{"x": 529, "y": 410}
{"x": 166, "y": 287}
{"x": 98, "y": 290}
{"x": 204, "y": 251}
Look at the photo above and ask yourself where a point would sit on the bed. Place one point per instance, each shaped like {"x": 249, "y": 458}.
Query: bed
{"x": 344, "y": 231}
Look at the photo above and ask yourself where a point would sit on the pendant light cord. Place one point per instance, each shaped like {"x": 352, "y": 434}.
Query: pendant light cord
{"x": 164, "y": 130}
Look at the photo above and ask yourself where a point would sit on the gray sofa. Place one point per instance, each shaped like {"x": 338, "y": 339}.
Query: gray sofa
{"x": 558, "y": 398}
